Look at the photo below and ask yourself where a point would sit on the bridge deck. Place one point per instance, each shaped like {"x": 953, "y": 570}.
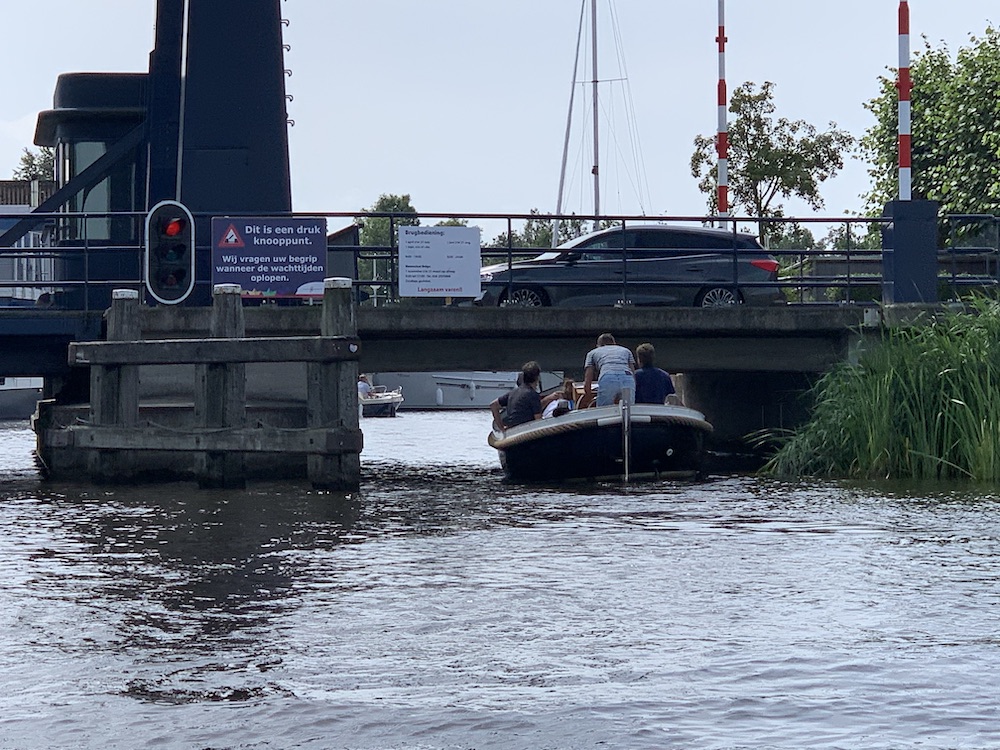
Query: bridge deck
{"x": 405, "y": 338}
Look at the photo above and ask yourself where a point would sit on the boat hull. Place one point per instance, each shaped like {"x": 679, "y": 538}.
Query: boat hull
{"x": 454, "y": 389}
{"x": 381, "y": 405}
{"x": 664, "y": 440}
{"x": 19, "y": 397}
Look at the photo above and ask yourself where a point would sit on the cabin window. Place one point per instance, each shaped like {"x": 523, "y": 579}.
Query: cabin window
{"x": 115, "y": 193}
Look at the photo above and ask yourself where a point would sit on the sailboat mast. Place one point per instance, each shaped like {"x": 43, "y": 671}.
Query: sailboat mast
{"x": 597, "y": 161}
{"x": 569, "y": 126}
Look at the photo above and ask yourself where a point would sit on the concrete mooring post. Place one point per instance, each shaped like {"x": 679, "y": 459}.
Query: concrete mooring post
{"x": 332, "y": 392}
{"x": 220, "y": 393}
{"x": 114, "y": 391}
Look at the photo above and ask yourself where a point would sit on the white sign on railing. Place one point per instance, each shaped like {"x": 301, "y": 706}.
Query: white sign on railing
{"x": 439, "y": 261}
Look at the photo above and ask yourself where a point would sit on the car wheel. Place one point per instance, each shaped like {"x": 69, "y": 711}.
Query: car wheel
{"x": 719, "y": 296}
{"x": 525, "y": 296}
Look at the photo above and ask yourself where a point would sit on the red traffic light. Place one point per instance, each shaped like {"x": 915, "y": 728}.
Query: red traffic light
{"x": 169, "y": 254}
{"x": 173, "y": 227}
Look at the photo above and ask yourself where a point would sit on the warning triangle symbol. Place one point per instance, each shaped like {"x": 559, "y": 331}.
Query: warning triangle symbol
{"x": 231, "y": 238}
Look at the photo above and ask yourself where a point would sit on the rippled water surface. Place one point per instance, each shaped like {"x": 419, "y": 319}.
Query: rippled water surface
{"x": 442, "y": 608}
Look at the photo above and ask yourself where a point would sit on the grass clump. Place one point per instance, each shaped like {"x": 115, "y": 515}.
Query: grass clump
{"x": 923, "y": 404}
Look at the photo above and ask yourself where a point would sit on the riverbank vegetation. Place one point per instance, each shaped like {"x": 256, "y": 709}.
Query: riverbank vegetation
{"x": 924, "y": 403}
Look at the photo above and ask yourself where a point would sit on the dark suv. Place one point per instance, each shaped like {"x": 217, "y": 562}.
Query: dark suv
{"x": 658, "y": 264}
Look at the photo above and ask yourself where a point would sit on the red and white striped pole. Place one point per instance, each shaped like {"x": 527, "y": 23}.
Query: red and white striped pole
{"x": 904, "y": 85}
{"x": 722, "y": 139}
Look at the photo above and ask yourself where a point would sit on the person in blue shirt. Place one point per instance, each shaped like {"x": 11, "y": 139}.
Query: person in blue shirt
{"x": 652, "y": 385}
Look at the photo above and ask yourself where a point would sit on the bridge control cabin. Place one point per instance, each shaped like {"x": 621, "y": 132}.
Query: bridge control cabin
{"x": 206, "y": 126}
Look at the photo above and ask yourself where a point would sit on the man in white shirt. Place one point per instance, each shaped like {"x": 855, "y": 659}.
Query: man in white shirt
{"x": 364, "y": 387}
{"x": 612, "y": 366}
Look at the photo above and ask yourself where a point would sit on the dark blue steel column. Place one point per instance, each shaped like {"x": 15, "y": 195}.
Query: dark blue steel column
{"x": 234, "y": 127}
{"x": 164, "y": 102}
{"x": 217, "y": 120}
{"x": 909, "y": 252}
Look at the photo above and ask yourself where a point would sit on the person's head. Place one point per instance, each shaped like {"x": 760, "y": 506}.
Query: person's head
{"x": 568, "y": 389}
{"x": 605, "y": 339}
{"x": 362, "y": 378}
{"x": 645, "y": 353}
{"x": 530, "y": 373}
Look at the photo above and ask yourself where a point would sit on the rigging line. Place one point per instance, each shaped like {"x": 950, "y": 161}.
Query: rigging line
{"x": 569, "y": 121}
{"x": 621, "y": 165}
{"x": 635, "y": 141}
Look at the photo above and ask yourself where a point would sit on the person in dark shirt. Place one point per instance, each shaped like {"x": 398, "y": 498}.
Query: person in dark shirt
{"x": 523, "y": 404}
{"x": 652, "y": 385}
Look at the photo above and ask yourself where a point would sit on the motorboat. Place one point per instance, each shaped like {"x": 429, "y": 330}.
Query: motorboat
{"x": 619, "y": 441}
{"x": 19, "y": 396}
{"x": 473, "y": 389}
{"x": 380, "y": 402}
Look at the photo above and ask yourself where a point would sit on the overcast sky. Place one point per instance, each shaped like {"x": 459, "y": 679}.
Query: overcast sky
{"x": 462, "y": 103}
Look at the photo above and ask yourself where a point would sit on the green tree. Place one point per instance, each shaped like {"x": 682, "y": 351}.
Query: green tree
{"x": 791, "y": 236}
{"x": 955, "y": 127}
{"x": 36, "y": 165}
{"x": 375, "y": 229}
{"x": 537, "y": 232}
{"x": 379, "y": 264}
{"x": 769, "y": 158}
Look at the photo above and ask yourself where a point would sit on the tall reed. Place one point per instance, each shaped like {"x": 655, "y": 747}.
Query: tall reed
{"x": 923, "y": 403}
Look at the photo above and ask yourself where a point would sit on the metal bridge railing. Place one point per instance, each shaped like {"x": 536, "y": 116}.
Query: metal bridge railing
{"x": 74, "y": 260}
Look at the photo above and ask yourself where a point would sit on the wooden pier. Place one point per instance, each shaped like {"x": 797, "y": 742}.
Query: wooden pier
{"x": 215, "y": 438}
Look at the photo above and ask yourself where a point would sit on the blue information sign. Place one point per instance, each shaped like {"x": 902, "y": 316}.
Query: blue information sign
{"x": 273, "y": 257}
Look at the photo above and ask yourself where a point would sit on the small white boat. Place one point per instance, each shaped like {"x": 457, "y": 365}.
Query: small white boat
{"x": 380, "y": 402}
{"x": 473, "y": 389}
{"x": 18, "y": 397}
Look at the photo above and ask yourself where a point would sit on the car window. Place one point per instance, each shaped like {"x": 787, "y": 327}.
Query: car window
{"x": 605, "y": 247}
{"x": 666, "y": 239}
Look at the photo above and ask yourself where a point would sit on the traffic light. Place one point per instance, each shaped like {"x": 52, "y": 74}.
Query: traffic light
{"x": 169, "y": 252}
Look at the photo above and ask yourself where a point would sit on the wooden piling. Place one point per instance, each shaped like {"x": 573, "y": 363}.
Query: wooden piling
{"x": 220, "y": 393}
{"x": 114, "y": 391}
{"x": 210, "y": 439}
{"x": 332, "y": 393}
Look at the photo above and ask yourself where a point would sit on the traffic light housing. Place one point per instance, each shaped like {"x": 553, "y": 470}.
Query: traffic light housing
{"x": 169, "y": 252}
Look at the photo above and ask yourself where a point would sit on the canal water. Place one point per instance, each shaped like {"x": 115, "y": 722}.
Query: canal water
{"x": 442, "y": 608}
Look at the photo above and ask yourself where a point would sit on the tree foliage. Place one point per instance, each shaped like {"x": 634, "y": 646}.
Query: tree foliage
{"x": 770, "y": 158}
{"x": 382, "y": 231}
{"x": 375, "y": 229}
{"x": 537, "y": 232}
{"x": 36, "y": 165}
{"x": 955, "y": 126}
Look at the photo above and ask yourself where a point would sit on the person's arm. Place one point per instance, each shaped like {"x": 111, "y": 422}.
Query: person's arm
{"x": 538, "y": 406}
{"x": 588, "y": 378}
{"x": 554, "y": 396}
{"x": 495, "y": 408}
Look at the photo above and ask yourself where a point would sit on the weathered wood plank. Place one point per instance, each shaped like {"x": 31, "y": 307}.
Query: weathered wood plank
{"x": 216, "y": 351}
{"x": 331, "y": 441}
{"x": 220, "y": 393}
{"x": 333, "y": 392}
{"x": 114, "y": 389}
